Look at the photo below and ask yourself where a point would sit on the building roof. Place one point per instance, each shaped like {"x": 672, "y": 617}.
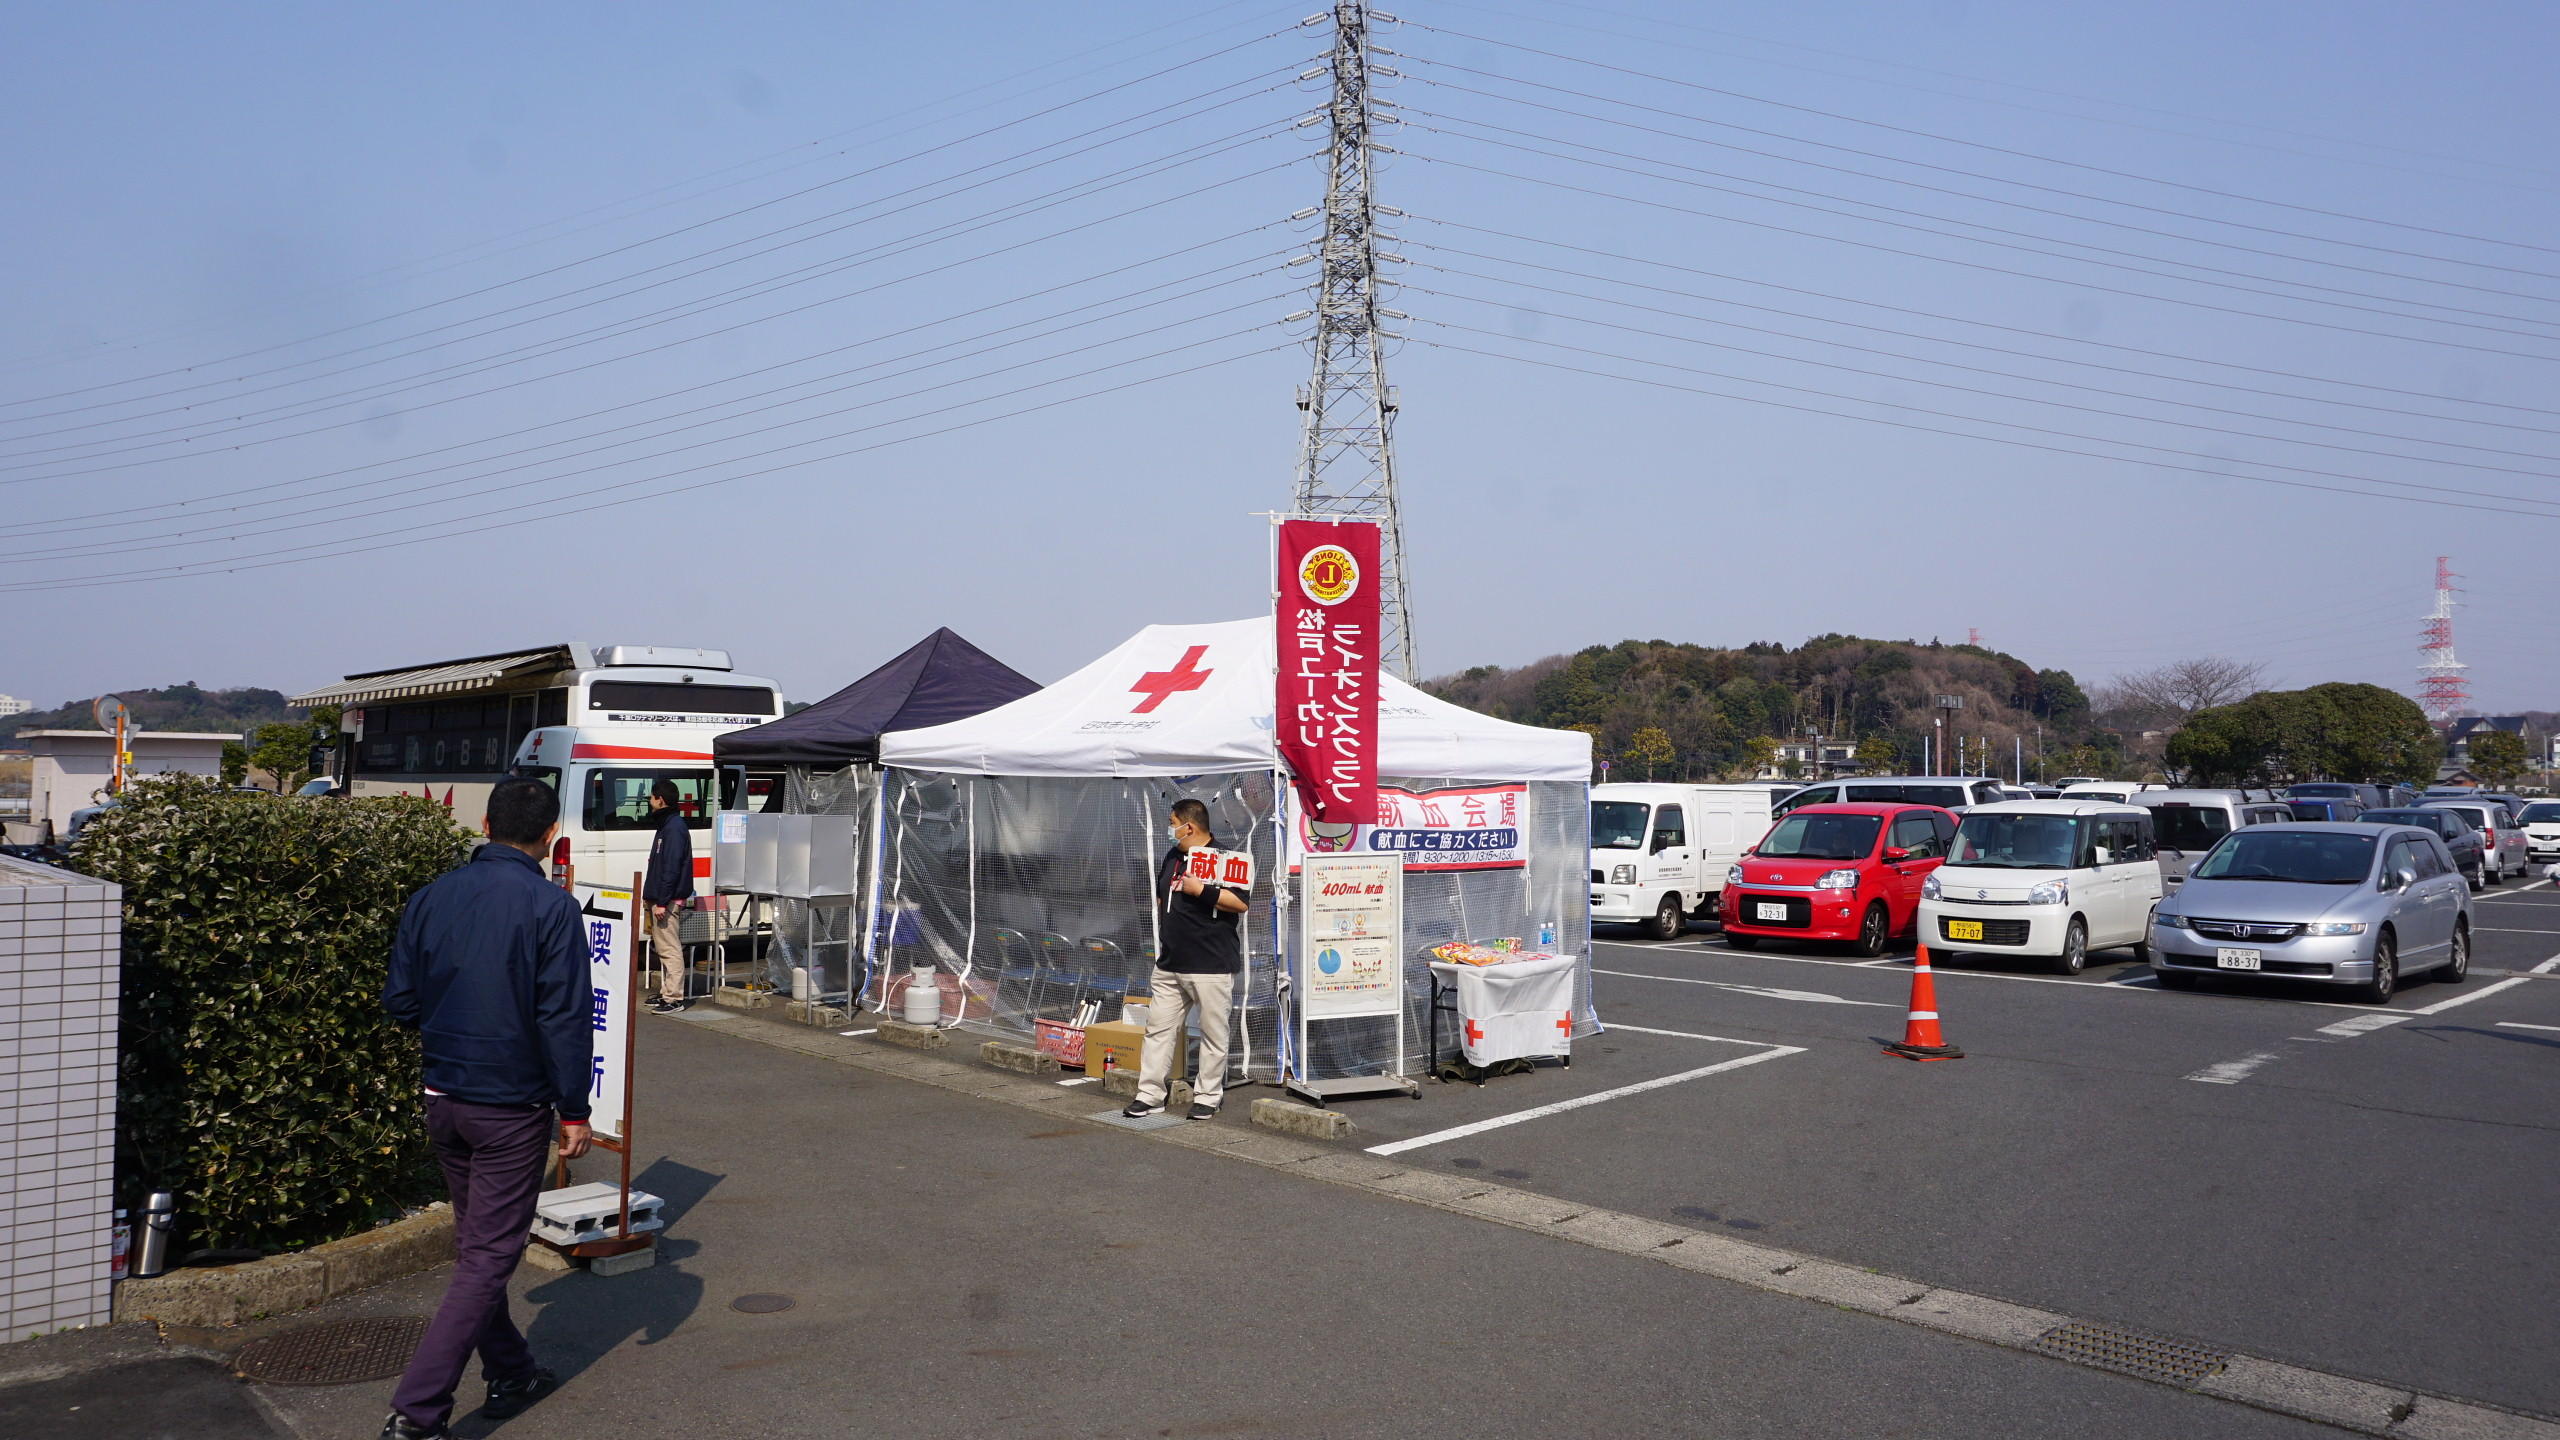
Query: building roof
{"x": 2470, "y": 725}
{"x": 482, "y": 672}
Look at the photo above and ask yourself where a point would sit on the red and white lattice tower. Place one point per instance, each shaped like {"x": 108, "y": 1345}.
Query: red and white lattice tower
{"x": 2442, "y": 692}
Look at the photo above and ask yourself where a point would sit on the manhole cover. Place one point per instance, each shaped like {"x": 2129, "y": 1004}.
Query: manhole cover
{"x": 761, "y": 1304}
{"x": 340, "y": 1353}
{"x": 2130, "y": 1353}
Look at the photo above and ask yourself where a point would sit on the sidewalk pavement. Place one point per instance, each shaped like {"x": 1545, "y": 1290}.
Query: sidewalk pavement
{"x": 966, "y": 1267}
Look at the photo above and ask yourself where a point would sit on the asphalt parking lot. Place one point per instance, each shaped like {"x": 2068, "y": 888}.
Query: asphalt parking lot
{"x": 2356, "y": 1188}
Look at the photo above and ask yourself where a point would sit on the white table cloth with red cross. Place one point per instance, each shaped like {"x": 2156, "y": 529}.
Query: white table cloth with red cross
{"x": 1511, "y": 1011}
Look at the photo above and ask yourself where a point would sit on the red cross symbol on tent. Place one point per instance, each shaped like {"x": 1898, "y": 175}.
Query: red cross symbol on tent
{"x": 1475, "y": 1033}
{"x": 1157, "y": 685}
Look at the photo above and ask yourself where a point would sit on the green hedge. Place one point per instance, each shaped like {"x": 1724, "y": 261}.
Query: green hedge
{"x": 260, "y": 1080}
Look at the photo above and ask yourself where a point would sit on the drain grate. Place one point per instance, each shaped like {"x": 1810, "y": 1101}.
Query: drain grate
{"x": 2129, "y": 1352}
{"x": 761, "y": 1303}
{"x": 340, "y": 1353}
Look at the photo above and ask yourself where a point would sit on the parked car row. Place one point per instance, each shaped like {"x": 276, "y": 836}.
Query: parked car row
{"x": 2190, "y": 881}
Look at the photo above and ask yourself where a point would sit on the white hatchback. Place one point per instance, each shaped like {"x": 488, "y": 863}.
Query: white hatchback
{"x": 2541, "y": 824}
{"x": 2050, "y": 878}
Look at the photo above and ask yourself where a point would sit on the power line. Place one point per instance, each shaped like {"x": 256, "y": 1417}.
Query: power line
{"x": 2022, "y": 234}
{"x": 185, "y": 537}
{"x": 428, "y": 264}
{"x": 1932, "y": 429}
{"x": 1992, "y": 269}
{"x": 1994, "y": 149}
{"x": 2072, "y": 215}
{"x": 122, "y": 517}
{"x": 654, "y": 269}
{"x": 234, "y": 565}
{"x": 2030, "y": 400}
{"x": 666, "y": 235}
{"x": 2039, "y": 90}
{"x": 685, "y": 310}
{"x": 2005, "y": 329}
{"x": 2013, "y": 375}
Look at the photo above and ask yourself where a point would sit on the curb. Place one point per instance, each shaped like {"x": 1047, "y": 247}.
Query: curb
{"x": 229, "y": 1294}
{"x": 2366, "y": 1407}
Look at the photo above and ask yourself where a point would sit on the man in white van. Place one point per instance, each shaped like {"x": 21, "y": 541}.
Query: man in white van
{"x": 667, "y": 887}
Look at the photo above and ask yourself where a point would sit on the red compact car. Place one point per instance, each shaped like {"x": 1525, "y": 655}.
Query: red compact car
{"x": 1836, "y": 872}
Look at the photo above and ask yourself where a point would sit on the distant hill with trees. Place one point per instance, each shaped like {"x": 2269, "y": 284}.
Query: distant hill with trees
{"x": 174, "y": 707}
{"x": 1693, "y": 712}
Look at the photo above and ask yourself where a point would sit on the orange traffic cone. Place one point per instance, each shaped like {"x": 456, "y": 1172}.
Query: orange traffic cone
{"x": 1920, "y": 1037}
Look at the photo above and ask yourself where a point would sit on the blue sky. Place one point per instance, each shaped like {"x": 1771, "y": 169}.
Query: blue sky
{"x": 302, "y": 283}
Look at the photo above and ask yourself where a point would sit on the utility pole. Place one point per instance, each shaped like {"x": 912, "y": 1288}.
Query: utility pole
{"x": 1346, "y": 454}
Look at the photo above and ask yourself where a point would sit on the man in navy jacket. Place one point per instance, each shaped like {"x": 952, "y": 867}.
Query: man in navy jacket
{"x": 491, "y": 969}
{"x": 666, "y": 887}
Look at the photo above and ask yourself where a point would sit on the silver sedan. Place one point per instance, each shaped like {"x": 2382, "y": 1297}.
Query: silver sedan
{"x": 2328, "y": 902}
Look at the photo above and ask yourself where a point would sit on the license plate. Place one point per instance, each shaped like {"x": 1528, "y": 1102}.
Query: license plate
{"x": 1964, "y": 929}
{"x": 1766, "y": 911}
{"x": 2227, "y": 958}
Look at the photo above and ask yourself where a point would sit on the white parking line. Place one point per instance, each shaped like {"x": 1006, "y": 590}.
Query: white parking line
{"x": 2355, "y": 1025}
{"x": 1396, "y": 1147}
{"x": 2120, "y": 985}
{"x": 1809, "y": 997}
{"x": 2520, "y": 1025}
{"x": 1682, "y": 1034}
{"x": 873, "y": 1031}
{"x": 2232, "y": 1072}
{"x": 2511, "y": 930}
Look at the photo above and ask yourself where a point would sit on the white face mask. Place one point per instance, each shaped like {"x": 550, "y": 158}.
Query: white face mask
{"x": 1173, "y": 833}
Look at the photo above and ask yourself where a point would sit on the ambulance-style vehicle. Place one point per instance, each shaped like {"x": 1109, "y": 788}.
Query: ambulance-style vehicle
{"x": 645, "y": 713}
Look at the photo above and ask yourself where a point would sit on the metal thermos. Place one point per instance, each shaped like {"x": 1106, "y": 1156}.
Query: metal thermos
{"x": 157, "y": 1216}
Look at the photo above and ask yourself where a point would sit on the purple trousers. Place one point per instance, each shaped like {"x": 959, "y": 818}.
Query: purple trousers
{"x": 492, "y": 1160}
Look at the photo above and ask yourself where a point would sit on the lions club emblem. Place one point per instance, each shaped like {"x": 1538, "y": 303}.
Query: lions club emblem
{"x": 1328, "y": 574}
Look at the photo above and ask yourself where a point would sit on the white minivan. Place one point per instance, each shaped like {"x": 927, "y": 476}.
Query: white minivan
{"x": 2049, "y": 878}
{"x": 1659, "y": 852}
{"x": 1947, "y": 792}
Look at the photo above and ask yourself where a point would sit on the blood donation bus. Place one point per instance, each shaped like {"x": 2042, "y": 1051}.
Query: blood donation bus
{"x": 600, "y": 723}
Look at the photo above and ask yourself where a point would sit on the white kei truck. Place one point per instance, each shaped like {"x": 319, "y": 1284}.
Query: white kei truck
{"x": 1659, "y": 853}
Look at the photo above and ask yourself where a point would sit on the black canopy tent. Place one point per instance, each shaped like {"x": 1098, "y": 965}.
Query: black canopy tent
{"x": 823, "y": 763}
{"x": 941, "y": 678}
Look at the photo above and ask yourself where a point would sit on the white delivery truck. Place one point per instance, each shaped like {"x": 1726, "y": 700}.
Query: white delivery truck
{"x": 1659, "y": 852}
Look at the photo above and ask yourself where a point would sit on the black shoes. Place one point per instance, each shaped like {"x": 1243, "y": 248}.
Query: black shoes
{"x": 510, "y": 1398}
{"x": 663, "y": 1006}
{"x": 1140, "y": 1110}
{"x": 1204, "y": 1112}
{"x": 397, "y": 1426}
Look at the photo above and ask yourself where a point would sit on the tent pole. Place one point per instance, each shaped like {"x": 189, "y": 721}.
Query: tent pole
{"x": 871, "y": 890}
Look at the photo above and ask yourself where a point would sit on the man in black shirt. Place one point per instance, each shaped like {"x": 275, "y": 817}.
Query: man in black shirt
{"x": 1197, "y": 966}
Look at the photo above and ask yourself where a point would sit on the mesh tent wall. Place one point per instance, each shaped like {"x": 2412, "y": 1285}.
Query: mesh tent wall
{"x": 1019, "y": 847}
{"x": 827, "y": 755}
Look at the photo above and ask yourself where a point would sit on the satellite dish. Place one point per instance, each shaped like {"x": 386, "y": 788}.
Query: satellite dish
{"x": 107, "y": 710}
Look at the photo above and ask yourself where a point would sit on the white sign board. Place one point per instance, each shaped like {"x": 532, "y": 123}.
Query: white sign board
{"x": 1351, "y": 908}
{"x": 611, "y": 977}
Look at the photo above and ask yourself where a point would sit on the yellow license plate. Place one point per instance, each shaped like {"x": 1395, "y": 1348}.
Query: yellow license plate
{"x": 1964, "y": 929}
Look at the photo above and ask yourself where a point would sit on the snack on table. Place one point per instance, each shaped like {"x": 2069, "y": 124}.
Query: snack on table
{"x": 1500, "y": 952}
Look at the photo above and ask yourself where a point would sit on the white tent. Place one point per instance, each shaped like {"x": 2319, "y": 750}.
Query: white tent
{"x": 1021, "y": 841}
{"x": 1196, "y": 700}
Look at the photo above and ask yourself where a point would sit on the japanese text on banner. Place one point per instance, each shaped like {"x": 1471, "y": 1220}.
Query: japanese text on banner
{"x": 1325, "y": 704}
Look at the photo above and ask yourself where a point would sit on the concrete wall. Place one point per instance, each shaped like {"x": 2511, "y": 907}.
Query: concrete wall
{"x": 60, "y": 958}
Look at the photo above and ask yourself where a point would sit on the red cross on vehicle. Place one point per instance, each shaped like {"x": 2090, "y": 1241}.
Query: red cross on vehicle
{"x": 1158, "y": 685}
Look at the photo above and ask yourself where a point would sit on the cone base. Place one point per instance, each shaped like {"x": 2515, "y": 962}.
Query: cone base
{"x": 1924, "y": 1052}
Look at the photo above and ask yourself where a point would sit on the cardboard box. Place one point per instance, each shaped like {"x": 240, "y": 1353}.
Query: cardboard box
{"x": 1112, "y": 1045}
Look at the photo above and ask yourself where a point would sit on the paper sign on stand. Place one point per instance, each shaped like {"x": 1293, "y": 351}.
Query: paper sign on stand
{"x": 1350, "y": 952}
{"x": 611, "y": 935}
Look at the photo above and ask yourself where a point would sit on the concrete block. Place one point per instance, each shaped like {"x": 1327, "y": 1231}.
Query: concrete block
{"x": 1979, "y": 1317}
{"x": 1291, "y": 1118}
{"x": 543, "y": 1257}
{"x": 1846, "y": 1286}
{"x": 745, "y": 999}
{"x": 811, "y": 1012}
{"x": 1021, "y": 1059}
{"x": 228, "y": 1294}
{"x": 1123, "y": 1084}
{"x": 913, "y": 1037}
{"x": 2435, "y": 1419}
{"x": 624, "y": 1264}
{"x": 2291, "y": 1390}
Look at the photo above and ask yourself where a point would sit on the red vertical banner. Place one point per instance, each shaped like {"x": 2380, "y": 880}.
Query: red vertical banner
{"x": 1325, "y": 713}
